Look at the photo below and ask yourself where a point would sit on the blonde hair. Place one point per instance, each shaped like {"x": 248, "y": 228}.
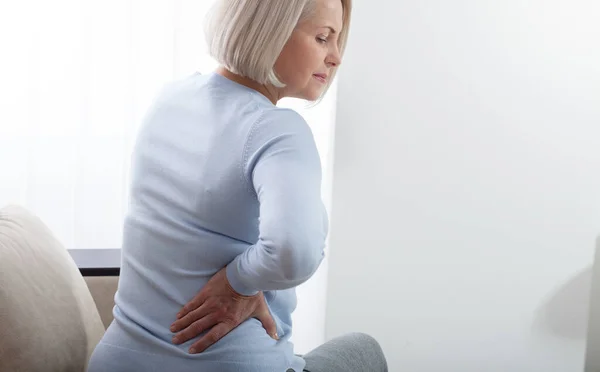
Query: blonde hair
{"x": 247, "y": 36}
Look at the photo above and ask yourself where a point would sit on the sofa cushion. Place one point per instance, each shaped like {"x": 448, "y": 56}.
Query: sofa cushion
{"x": 48, "y": 319}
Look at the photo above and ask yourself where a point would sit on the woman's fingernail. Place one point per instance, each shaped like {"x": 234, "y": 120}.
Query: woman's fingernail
{"x": 173, "y": 329}
{"x": 192, "y": 350}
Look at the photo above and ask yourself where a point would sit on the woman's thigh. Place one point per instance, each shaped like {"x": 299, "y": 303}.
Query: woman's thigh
{"x": 356, "y": 352}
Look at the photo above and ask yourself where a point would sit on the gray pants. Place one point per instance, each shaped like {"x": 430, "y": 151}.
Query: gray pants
{"x": 355, "y": 352}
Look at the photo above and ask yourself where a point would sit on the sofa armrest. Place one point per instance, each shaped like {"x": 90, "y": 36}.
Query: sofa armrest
{"x": 103, "y": 289}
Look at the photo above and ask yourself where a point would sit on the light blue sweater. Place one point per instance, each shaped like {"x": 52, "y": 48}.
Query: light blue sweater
{"x": 220, "y": 177}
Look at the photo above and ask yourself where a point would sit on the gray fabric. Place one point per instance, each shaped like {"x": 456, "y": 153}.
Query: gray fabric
{"x": 355, "y": 352}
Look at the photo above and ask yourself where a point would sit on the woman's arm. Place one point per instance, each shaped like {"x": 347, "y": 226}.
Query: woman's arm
{"x": 282, "y": 166}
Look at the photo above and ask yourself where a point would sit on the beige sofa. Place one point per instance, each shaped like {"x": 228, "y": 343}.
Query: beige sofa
{"x": 51, "y": 318}
{"x": 103, "y": 290}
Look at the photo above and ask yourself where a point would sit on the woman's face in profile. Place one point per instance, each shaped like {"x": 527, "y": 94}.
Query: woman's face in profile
{"x": 306, "y": 60}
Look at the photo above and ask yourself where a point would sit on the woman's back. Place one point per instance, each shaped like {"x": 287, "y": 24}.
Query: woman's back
{"x": 193, "y": 210}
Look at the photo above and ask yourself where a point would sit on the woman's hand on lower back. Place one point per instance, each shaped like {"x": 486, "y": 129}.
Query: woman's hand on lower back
{"x": 221, "y": 309}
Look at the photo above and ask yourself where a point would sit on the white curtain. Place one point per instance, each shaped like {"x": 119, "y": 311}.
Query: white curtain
{"x": 76, "y": 77}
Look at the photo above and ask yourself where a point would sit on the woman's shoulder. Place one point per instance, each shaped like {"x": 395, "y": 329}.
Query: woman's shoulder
{"x": 279, "y": 125}
{"x": 282, "y": 120}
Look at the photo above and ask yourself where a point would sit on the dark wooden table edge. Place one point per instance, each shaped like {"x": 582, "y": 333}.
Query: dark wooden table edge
{"x": 97, "y": 262}
{"x": 100, "y": 271}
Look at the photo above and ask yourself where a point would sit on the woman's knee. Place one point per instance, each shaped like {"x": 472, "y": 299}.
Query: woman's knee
{"x": 364, "y": 339}
{"x": 370, "y": 346}
{"x": 351, "y": 352}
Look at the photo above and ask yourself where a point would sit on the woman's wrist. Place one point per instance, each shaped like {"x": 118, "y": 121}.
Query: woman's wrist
{"x": 235, "y": 281}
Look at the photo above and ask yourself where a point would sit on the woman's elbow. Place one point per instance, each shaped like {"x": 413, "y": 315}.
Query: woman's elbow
{"x": 301, "y": 258}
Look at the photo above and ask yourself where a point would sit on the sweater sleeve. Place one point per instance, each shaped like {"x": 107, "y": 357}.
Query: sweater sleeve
{"x": 282, "y": 166}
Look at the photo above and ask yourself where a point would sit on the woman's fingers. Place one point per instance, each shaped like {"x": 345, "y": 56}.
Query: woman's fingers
{"x": 195, "y": 329}
{"x": 264, "y": 316}
{"x": 190, "y": 318}
{"x": 216, "y": 333}
{"x": 195, "y": 303}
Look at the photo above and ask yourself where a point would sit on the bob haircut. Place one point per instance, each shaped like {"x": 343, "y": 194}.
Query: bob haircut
{"x": 247, "y": 36}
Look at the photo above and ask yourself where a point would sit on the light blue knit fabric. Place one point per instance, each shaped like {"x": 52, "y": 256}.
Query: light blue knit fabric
{"x": 220, "y": 177}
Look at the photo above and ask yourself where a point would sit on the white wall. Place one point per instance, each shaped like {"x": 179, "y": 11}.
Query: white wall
{"x": 466, "y": 192}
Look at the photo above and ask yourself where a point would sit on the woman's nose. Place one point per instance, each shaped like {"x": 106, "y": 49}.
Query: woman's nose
{"x": 334, "y": 59}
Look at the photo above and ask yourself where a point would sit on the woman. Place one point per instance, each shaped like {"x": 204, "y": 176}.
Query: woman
{"x": 225, "y": 200}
